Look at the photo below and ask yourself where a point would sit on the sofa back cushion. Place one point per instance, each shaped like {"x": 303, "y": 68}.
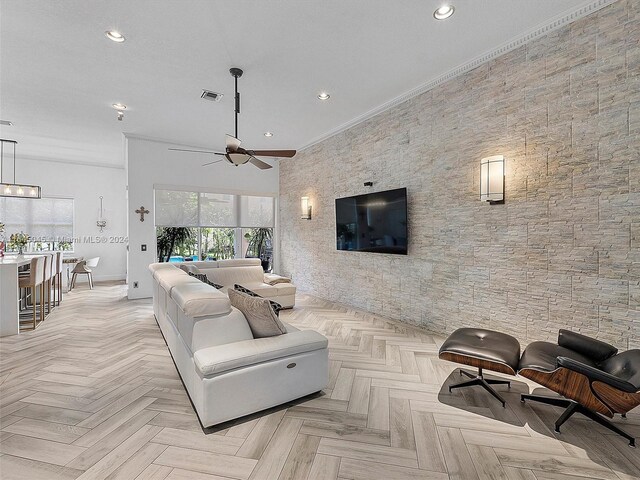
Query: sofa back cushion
{"x": 239, "y": 262}
{"x": 200, "y": 300}
{"x": 259, "y": 314}
{"x": 168, "y": 279}
{"x": 203, "y": 332}
{"x": 228, "y": 276}
{"x": 189, "y": 267}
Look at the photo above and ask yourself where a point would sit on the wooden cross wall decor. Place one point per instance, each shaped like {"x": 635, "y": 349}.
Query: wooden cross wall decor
{"x": 142, "y": 211}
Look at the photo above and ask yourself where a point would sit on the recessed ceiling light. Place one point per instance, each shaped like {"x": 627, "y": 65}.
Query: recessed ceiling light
{"x": 444, "y": 12}
{"x": 115, "y": 36}
{"x": 268, "y": 134}
{"x": 324, "y": 96}
{"x": 119, "y": 106}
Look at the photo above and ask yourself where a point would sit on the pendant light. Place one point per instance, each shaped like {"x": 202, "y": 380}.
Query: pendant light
{"x": 16, "y": 190}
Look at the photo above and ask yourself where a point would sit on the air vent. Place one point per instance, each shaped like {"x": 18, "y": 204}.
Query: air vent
{"x": 211, "y": 96}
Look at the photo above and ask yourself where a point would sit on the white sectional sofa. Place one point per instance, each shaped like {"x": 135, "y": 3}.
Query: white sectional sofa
{"x": 228, "y": 373}
{"x": 248, "y": 273}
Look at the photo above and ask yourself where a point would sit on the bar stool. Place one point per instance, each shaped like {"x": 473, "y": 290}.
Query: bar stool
{"x": 34, "y": 279}
{"x": 48, "y": 277}
{"x": 57, "y": 278}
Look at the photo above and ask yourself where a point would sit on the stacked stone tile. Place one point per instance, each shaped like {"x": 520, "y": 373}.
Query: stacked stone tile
{"x": 562, "y": 252}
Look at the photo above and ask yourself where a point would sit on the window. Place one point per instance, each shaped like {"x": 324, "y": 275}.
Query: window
{"x": 48, "y": 221}
{"x": 213, "y": 226}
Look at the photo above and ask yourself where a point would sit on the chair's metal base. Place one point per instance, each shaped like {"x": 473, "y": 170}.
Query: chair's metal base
{"x": 574, "y": 407}
{"x": 483, "y": 382}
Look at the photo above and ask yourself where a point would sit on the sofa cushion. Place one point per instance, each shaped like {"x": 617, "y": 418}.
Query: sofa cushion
{"x": 156, "y": 267}
{"x": 230, "y": 276}
{"x": 205, "y": 264}
{"x": 260, "y": 288}
{"x": 285, "y": 289}
{"x": 199, "y": 299}
{"x": 189, "y": 268}
{"x": 273, "y": 279}
{"x": 203, "y": 278}
{"x": 169, "y": 279}
{"x": 222, "y": 358}
{"x": 259, "y": 314}
{"x": 240, "y": 262}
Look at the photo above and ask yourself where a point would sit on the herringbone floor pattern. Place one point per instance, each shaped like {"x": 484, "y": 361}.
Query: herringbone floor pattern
{"x": 93, "y": 394}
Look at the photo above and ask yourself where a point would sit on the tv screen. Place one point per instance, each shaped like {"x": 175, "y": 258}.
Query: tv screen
{"x": 375, "y": 222}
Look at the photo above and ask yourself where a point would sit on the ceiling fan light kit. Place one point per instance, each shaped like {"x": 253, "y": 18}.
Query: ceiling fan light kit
{"x": 234, "y": 153}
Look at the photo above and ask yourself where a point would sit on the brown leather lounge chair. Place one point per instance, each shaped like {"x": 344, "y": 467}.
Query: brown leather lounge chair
{"x": 594, "y": 379}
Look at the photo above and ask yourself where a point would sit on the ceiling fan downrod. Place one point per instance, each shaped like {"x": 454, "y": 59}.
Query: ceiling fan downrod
{"x": 236, "y": 73}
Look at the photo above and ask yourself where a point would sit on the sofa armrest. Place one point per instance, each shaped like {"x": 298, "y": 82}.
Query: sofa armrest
{"x": 595, "y": 374}
{"x": 273, "y": 279}
{"x": 230, "y": 356}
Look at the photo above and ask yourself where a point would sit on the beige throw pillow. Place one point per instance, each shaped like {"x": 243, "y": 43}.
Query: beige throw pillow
{"x": 259, "y": 314}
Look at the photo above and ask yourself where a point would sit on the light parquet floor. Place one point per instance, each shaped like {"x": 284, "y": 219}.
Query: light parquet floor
{"x": 93, "y": 394}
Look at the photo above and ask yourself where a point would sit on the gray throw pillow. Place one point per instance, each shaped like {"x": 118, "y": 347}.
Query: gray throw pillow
{"x": 262, "y": 320}
{"x": 203, "y": 278}
{"x": 275, "y": 305}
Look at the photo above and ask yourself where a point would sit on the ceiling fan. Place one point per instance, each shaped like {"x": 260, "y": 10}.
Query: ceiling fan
{"x": 235, "y": 154}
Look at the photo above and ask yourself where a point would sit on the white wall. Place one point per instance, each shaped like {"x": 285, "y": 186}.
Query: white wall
{"x": 85, "y": 184}
{"x": 149, "y": 163}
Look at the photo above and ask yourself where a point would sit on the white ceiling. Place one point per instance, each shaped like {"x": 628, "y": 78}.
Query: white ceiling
{"x": 59, "y": 74}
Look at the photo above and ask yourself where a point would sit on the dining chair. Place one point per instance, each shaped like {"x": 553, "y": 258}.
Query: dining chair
{"x": 84, "y": 268}
{"x": 35, "y": 279}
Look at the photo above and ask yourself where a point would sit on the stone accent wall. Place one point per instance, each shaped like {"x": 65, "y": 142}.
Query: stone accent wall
{"x": 562, "y": 252}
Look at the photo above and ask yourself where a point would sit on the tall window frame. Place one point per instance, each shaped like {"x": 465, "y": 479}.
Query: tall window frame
{"x": 243, "y": 216}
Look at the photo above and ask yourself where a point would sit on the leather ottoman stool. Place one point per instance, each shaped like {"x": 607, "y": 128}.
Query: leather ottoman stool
{"x": 483, "y": 349}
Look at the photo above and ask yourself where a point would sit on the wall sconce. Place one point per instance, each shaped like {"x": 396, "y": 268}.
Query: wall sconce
{"x": 306, "y": 208}
{"x": 101, "y": 223}
{"x": 492, "y": 179}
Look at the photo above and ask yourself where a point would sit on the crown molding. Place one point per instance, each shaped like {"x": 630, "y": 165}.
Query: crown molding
{"x": 82, "y": 163}
{"x": 550, "y": 25}
{"x": 166, "y": 141}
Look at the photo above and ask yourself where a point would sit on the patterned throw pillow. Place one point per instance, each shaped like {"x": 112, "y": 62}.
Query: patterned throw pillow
{"x": 260, "y": 316}
{"x": 203, "y": 278}
{"x": 275, "y": 305}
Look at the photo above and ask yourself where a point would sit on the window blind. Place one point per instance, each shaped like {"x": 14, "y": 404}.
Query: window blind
{"x": 45, "y": 219}
{"x": 176, "y": 209}
{"x": 256, "y": 212}
{"x": 218, "y": 210}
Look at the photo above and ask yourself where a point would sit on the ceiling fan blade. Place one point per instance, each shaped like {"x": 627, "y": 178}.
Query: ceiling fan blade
{"x": 194, "y": 151}
{"x": 232, "y": 143}
{"x": 259, "y": 163}
{"x": 274, "y": 153}
{"x": 211, "y": 163}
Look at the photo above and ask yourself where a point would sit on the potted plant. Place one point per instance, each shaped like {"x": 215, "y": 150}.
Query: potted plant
{"x": 259, "y": 242}
{"x": 19, "y": 241}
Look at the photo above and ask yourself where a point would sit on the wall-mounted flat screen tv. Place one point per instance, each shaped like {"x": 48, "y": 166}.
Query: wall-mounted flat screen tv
{"x": 375, "y": 222}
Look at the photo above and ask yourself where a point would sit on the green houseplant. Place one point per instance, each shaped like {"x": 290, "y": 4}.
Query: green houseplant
{"x": 259, "y": 240}
{"x": 170, "y": 238}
